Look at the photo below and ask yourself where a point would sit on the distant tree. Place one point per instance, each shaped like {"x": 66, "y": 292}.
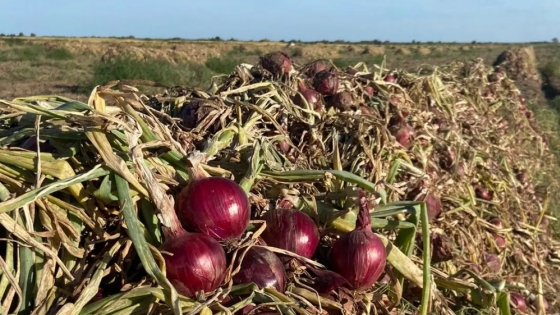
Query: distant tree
{"x": 131, "y": 36}
{"x": 21, "y": 34}
{"x": 555, "y": 40}
{"x": 32, "y": 35}
{"x": 217, "y": 39}
{"x": 473, "y": 42}
{"x": 2, "y": 34}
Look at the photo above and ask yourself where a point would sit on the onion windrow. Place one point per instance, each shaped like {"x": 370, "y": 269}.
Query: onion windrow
{"x": 442, "y": 153}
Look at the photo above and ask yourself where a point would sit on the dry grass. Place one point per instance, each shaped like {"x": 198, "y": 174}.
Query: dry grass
{"x": 71, "y": 76}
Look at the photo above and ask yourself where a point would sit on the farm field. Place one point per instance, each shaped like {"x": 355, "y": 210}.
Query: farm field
{"x": 72, "y": 66}
{"x": 478, "y": 141}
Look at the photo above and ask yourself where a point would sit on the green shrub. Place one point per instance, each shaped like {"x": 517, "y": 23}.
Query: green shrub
{"x": 551, "y": 69}
{"x": 59, "y": 54}
{"x": 13, "y": 41}
{"x": 222, "y": 65}
{"x": 162, "y": 71}
{"x": 34, "y": 53}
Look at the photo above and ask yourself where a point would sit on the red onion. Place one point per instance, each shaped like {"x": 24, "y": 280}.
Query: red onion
{"x": 433, "y": 205}
{"x": 315, "y": 67}
{"x": 493, "y": 262}
{"x": 291, "y": 230}
{"x": 517, "y": 301}
{"x": 215, "y": 206}
{"x": 351, "y": 71}
{"x": 325, "y": 82}
{"x": 342, "y": 101}
{"x": 365, "y": 110}
{"x": 327, "y": 280}
{"x": 496, "y": 222}
{"x": 500, "y": 241}
{"x": 404, "y": 136}
{"x": 278, "y": 63}
{"x": 369, "y": 90}
{"x": 262, "y": 267}
{"x": 196, "y": 262}
{"x": 195, "y": 111}
{"x": 389, "y": 78}
{"x": 535, "y": 303}
{"x": 483, "y": 193}
{"x": 311, "y": 96}
{"x": 522, "y": 176}
{"x": 359, "y": 256}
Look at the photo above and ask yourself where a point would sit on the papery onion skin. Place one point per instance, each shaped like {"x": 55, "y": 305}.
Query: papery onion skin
{"x": 389, "y": 78}
{"x": 343, "y": 101}
{"x": 496, "y": 222}
{"x": 262, "y": 267}
{"x": 518, "y": 302}
{"x": 326, "y": 82}
{"x": 198, "y": 263}
{"x": 316, "y": 66}
{"x": 359, "y": 256}
{"x": 291, "y": 230}
{"x": 278, "y": 63}
{"x": 311, "y": 96}
{"x": 215, "y": 206}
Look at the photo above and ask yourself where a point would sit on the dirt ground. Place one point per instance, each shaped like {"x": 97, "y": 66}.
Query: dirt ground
{"x": 24, "y": 74}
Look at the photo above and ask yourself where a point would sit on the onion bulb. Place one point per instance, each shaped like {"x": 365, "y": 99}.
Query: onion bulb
{"x": 311, "y": 96}
{"x": 483, "y": 193}
{"x": 360, "y": 255}
{"x": 342, "y": 101}
{"x": 404, "y": 136}
{"x": 517, "y": 301}
{"x": 291, "y": 230}
{"x": 325, "y": 82}
{"x": 194, "y": 263}
{"x": 262, "y": 267}
{"x": 389, "y": 78}
{"x": 496, "y": 222}
{"x": 433, "y": 205}
{"x": 315, "y": 66}
{"x": 215, "y": 206}
{"x": 278, "y": 63}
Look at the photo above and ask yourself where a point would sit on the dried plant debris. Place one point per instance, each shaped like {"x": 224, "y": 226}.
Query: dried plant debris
{"x": 83, "y": 188}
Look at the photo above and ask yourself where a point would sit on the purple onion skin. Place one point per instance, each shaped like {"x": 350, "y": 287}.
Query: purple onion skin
{"x": 359, "y": 256}
{"x": 262, "y": 267}
{"x": 215, "y": 206}
{"x": 198, "y": 263}
{"x": 326, "y": 82}
{"x": 518, "y": 302}
{"x": 291, "y": 230}
{"x": 312, "y": 98}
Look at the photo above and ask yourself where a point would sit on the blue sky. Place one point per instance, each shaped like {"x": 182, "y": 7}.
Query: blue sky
{"x": 398, "y": 20}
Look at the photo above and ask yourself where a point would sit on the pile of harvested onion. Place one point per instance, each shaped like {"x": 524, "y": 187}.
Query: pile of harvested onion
{"x": 297, "y": 190}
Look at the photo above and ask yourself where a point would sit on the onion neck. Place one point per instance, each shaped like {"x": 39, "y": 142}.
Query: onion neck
{"x": 195, "y": 170}
{"x": 172, "y": 228}
{"x": 364, "y": 220}
{"x": 301, "y": 86}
